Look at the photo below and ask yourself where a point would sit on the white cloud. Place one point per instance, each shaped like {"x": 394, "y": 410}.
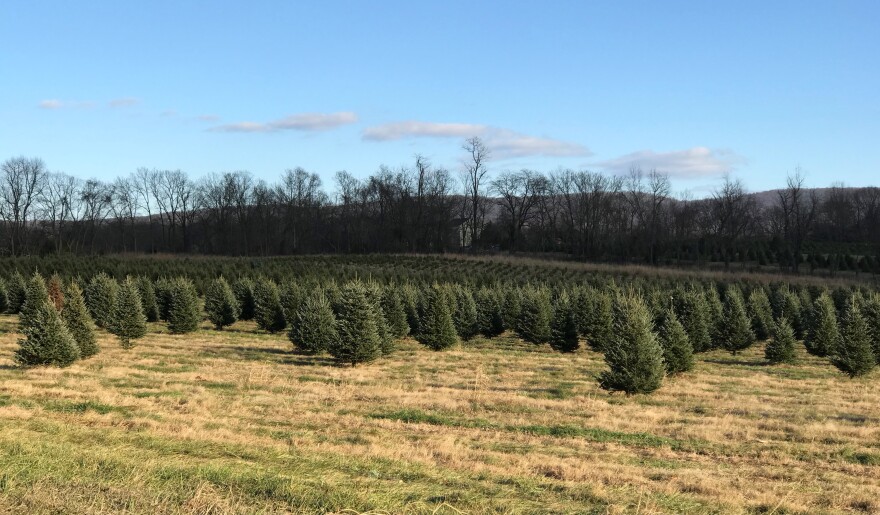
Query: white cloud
{"x": 54, "y": 103}
{"x": 124, "y": 102}
{"x": 692, "y": 163}
{"x": 503, "y": 143}
{"x": 208, "y": 118}
{"x": 51, "y": 104}
{"x": 296, "y": 122}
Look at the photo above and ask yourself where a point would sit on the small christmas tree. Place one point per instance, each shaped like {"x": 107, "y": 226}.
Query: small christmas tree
{"x": 533, "y": 324}
{"x": 128, "y": 319}
{"x": 563, "y": 327}
{"x": 780, "y": 348}
{"x": 465, "y": 315}
{"x": 736, "y": 330}
{"x": 693, "y": 313}
{"x": 163, "y": 290}
{"x": 598, "y": 318}
{"x": 244, "y": 294}
{"x": 871, "y": 312}
{"x": 374, "y": 297}
{"x": 358, "y": 340}
{"x": 392, "y": 306}
{"x": 824, "y": 334}
{"x": 100, "y": 297}
{"x": 55, "y": 287}
{"x": 148, "y": 298}
{"x": 78, "y": 321}
{"x": 267, "y": 306}
{"x": 36, "y": 296}
{"x": 220, "y": 304}
{"x": 4, "y": 297}
{"x": 678, "y": 353}
{"x": 490, "y": 319}
{"x": 760, "y": 313}
{"x": 438, "y": 329}
{"x": 853, "y": 353}
{"x": 16, "y": 290}
{"x": 313, "y": 327}
{"x": 184, "y": 311}
{"x": 46, "y": 341}
{"x": 633, "y": 355}
{"x": 511, "y": 304}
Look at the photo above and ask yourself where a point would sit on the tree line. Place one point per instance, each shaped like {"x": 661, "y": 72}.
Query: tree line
{"x": 422, "y": 207}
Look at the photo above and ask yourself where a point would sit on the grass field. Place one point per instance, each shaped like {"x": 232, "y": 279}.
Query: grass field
{"x": 234, "y": 422}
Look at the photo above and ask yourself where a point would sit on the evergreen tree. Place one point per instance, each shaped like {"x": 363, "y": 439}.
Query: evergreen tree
{"x": 693, "y": 314}
{"x": 824, "y": 334}
{"x": 163, "y": 292}
{"x": 244, "y": 294}
{"x": 853, "y": 353}
{"x": 599, "y": 320}
{"x": 100, "y": 297}
{"x": 78, "y": 321}
{"x": 715, "y": 310}
{"x": 490, "y": 319}
{"x": 792, "y": 311}
{"x": 4, "y": 297}
{"x": 633, "y": 355}
{"x": 374, "y": 297}
{"x": 761, "y": 313}
{"x": 438, "y": 329}
{"x": 46, "y": 340}
{"x": 184, "y": 312}
{"x": 510, "y": 306}
{"x": 396, "y": 315}
{"x": 16, "y": 289}
{"x": 358, "y": 340}
{"x": 410, "y": 297}
{"x": 291, "y": 295}
{"x": 780, "y": 348}
{"x": 128, "y": 321}
{"x": 313, "y": 327}
{"x": 871, "y": 312}
{"x": 736, "y": 334}
{"x": 678, "y": 353}
{"x": 220, "y": 304}
{"x": 563, "y": 327}
{"x": 465, "y": 315}
{"x": 55, "y": 287}
{"x": 148, "y": 298}
{"x": 533, "y": 324}
{"x": 267, "y": 306}
{"x": 36, "y": 296}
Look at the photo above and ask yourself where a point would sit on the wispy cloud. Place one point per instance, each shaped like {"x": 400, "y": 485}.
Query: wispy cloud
{"x": 503, "y": 143}
{"x": 54, "y": 103}
{"x": 296, "y": 122}
{"x": 208, "y": 118}
{"x": 168, "y": 113}
{"x": 124, "y": 102}
{"x": 692, "y": 163}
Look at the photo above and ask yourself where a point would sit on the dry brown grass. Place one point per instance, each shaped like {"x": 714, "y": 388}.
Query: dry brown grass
{"x": 234, "y": 422}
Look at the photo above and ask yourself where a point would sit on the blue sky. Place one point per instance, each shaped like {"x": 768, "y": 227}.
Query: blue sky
{"x": 98, "y": 89}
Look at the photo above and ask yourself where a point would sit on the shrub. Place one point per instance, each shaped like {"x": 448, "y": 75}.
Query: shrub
{"x": 853, "y": 353}
{"x": 678, "y": 353}
{"x": 438, "y": 329}
{"x": 633, "y": 355}
{"x": 358, "y": 340}
{"x": 184, "y": 312}
{"x": 780, "y": 349}
{"x": 220, "y": 304}
{"x": 128, "y": 319}
{"x": 100, "y": 297}
{"x": 313, "y": 326}
{"x": 46, "y": 341}
{"x": 78, "y": 321}
{"x": 267, "y": 306}
{"x": 563, "y": 327}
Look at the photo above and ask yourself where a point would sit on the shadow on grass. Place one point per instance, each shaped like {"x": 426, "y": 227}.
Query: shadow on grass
{"x": 274, "y": 354}
{"x": 743, "y": 362}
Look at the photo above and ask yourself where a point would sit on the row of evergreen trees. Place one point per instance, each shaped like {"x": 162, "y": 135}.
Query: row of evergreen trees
{"x": 643, "y": 334}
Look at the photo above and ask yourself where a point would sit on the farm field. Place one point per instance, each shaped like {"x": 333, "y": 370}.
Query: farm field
{"x": 236, "y": 422}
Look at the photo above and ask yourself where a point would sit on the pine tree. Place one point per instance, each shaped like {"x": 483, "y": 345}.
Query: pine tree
{"x": 598, "y": 322}
{"x": 358, "y": 340}
{"x": 465, "y": 315}
{"x": 163, "y": 291}
{"x": 678, "y": 353}
{"x": 148, "y": 298}
{"x": 128, "y": 321}
{"x": 533, "y": 324}
{"x": 374, "y": 297}
{"x": 780, "y": 349}
{"x": 46, "y": 341}
{"x": 693, "y": 313}
{"x": 220, "y": 304}
{"x": 410, "y": 298}
{"x": 78, "y": 321}
{"x": 511, "y": 305}
{"x": 563, "y": 327}
{"x": 392, "y": 306}
{"x": 438, "y": 329}
{"x": 736, "y": 334}
{"x": 55, "y": 287}
{"x": 16, "y": 289}
{"x": 490, "y": 319}
{"x": 4, "y": 297}
{"x": 824, "y": 334}
{"x": 761, "y": 313}
{"x": 313, "y": 327}
{"x": 184, "y": 312}
{"x": 291, "y": 295}
{"x": 715, "y": 310}
{"x": 244, "y": 294}
{"x": 36, "y": 296}
{"x": 267, "y": 306}
{"x": 792, "y": 311}
{"x": 871, "y": 312}
{"x": 633, "y": 355}
{"x": 100, "y": 297}
{"x": 853, "y": 353}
